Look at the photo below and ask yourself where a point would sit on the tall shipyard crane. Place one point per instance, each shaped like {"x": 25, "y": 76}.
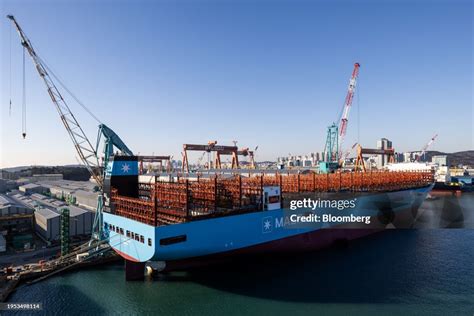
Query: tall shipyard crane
{"x": 84, "y": 148}
{"x": 347, "y": 104}
{"x": 333, "y": 156}
{"x": 425, "y": 148}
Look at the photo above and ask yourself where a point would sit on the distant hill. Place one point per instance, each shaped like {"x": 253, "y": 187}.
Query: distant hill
{"x": 72, "y": 172}
{"x": 458, "y": 158}
{"x": 16, "y": 169}
{"x": 80, "y": 173}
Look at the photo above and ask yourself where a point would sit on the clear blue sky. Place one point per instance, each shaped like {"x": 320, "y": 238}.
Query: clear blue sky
{"x": 267, "y": 73}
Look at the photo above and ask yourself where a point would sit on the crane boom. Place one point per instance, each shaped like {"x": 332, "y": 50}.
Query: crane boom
{"x": 84, "y": 148}
{"x": 111, "y": 140}
{"x": 347, "y": 104}
{"x": 425, "y": 148}
{"x": 348, "y": 152}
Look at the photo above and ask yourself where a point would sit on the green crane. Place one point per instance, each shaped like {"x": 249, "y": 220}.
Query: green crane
{"x": 331, "y": 151}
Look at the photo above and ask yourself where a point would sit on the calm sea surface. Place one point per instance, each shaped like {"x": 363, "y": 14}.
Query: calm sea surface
{"x": 425, "y": 271}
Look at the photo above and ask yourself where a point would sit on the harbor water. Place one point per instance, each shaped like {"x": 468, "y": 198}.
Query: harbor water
{"x": 423, "y": 271}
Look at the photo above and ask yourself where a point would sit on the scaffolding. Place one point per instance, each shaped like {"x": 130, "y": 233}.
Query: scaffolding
{"x": 187, "y": 199}
{"x": 64, "y": 233}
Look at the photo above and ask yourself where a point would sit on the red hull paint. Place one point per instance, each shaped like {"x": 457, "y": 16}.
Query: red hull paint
{"x": 125, "y": 256}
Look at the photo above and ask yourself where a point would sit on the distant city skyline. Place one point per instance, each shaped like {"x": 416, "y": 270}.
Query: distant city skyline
{"x": 271, "y": 74}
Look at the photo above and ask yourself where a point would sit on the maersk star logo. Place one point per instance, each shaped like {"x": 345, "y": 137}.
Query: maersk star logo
{"x": 267, "y": 224}
{"x": 125, "y": 168}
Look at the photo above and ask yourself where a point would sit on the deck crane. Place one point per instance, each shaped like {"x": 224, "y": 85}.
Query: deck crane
{"x": 86, "y": 151}
{"x": 425, "y": 148}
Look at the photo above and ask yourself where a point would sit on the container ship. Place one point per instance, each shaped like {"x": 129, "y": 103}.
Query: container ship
{"x": 191, "y": 220}
{"x": 187, "y": 220}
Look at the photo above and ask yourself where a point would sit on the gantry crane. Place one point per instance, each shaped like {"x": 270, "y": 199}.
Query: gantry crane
{"x": 87, "y": 153}
{"x": 210, "y": 147}
{"x": 235, "y": 162}
{"x": 360, "y": 163}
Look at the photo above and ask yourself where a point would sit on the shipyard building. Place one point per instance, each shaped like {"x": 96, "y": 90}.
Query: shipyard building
{"x": 15, "y": 217}
{"x": 48, "y": 222}
{"x": 31, "y": 188}
{"x": 80, "y": 193}
{"x": 382, "y": 160}
{"x": 47, "y": 216}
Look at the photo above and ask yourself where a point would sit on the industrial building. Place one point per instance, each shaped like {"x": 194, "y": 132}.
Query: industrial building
{"x": 80, "y": 221}
{"x": 7, "y": 185}
{"x": 76, "y": 192}
{"x": 383, "y": 160}
{"x": 46, "y": 177}
{"x": 3, "y": 244}
{"x": 440, "y": 160}
{"x": 31, "y": 188}
{"x": 86, "y": 199}
{"x": 310, "y": 160}
{"x": 48, "y": 222}
{"x": 47, "y": 215}
{"x": 14, "y": 216}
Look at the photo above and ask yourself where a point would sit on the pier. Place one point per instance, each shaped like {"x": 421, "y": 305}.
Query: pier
{"x": 83, "y": 256}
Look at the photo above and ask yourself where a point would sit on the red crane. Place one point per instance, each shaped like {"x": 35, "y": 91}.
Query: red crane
{"x": 347, "y": 104}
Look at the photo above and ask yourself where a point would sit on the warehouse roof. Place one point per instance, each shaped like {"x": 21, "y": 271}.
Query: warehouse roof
{"x": 69, "y": 184}
{"x": 12, "y": 201}
{"x": 39, "y": 196}
{"x": 5, "y": 200}
{"x": 46, "y": 213}
{"x": 30, "y": 186}
{"x": 86, "y": 194}
{"x": 73, "y": 210}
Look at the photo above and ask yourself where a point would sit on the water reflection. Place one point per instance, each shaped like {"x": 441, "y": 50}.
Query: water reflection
{"x": 446, "y": 210}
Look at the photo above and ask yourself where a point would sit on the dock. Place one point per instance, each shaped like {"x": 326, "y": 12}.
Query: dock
{"x": 83, "y": 256}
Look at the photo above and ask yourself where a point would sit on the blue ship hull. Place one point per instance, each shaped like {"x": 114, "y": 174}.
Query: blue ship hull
{"x": 264, "y": 231}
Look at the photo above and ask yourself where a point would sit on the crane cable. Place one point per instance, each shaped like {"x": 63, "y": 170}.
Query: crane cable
{"x": 10, "y": 57}
{"x": 55, "y": 77}
{"x": 68, "y": 91}
{"x": 23, "y": 132}
{"x": 358, "y": 112}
